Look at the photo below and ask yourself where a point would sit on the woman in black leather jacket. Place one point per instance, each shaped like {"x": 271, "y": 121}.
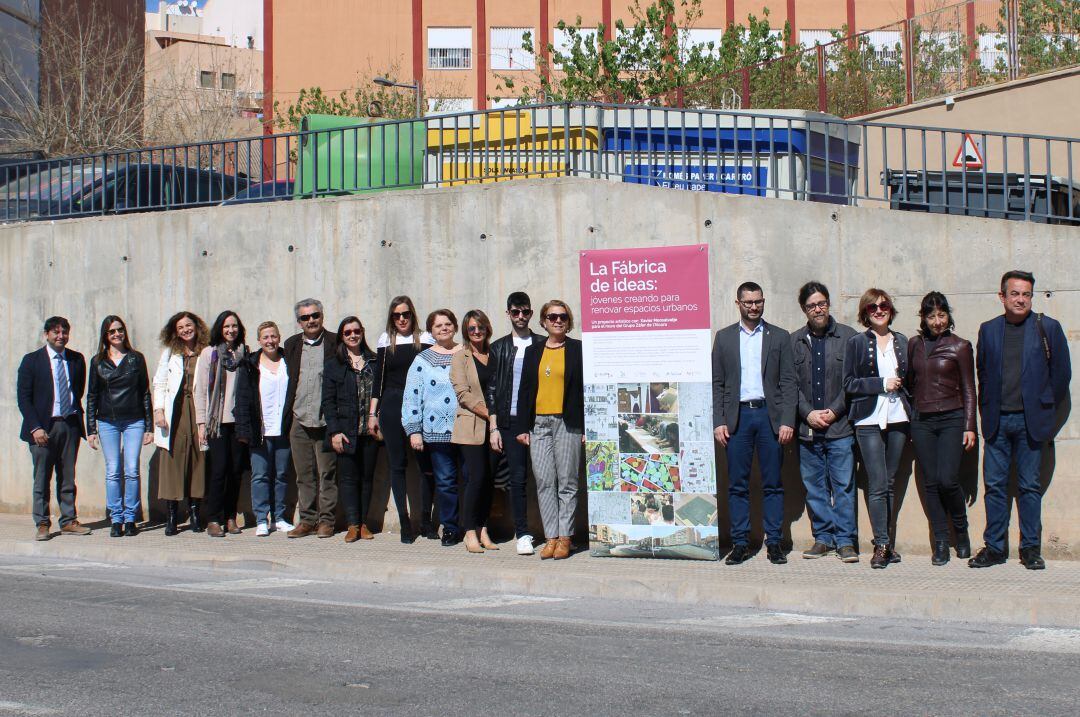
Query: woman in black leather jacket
{"x": 119, "y": 420}
{"x": 875, "y": 363}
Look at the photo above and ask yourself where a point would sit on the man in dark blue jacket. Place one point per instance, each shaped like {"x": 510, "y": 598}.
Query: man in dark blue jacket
{"x": 1024, "y": 372}
{"x": 49, "y": 393}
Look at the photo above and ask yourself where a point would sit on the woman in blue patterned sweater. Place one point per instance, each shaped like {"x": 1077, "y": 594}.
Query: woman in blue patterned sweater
{"x": 427, "y": 414}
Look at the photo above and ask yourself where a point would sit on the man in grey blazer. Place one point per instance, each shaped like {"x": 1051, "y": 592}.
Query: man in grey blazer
{"x": 755, "y": 396}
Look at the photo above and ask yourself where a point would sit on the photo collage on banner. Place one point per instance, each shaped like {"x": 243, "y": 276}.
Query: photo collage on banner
{"x": 649, "y": 457}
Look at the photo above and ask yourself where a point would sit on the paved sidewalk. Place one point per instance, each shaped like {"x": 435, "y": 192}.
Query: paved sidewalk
{"x": 913, "y": 588}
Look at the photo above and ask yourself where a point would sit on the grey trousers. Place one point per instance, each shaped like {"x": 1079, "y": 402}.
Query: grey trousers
{"x": 556, "y": 458}
{"x": 316, "y": 480}
{"x": 58, "y": 457}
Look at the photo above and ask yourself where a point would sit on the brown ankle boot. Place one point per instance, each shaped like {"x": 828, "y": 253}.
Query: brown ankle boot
{"x": 366, "y": 534}
{"x": 548, "y": 550}
{"x": 214, "y": 530}
{"x": 353, "y": 534}
{"x": 562, "y": 548}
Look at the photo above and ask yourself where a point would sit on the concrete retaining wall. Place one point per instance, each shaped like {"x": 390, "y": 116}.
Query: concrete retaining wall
{"x": 469, "y": 247}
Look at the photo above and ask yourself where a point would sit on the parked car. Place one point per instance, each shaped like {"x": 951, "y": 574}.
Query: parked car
{"x": 88, "y": 189}
{"x": 273, "y": 191}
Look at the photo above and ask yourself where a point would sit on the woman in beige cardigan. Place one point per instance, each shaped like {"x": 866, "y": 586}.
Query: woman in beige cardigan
{"x": 470, "y": 371}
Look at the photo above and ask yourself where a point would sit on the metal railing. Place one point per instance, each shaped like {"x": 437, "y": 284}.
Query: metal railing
{"x": 791, "y": 154}
{"x": 958, "y": 47}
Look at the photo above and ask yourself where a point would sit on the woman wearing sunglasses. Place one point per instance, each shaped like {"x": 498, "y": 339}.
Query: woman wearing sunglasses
{"x": 346, "y": 395}
{"x": 942, "y": 385}
{"x": 398, "y": 346}
{"x": 119, "y": 420}
{"x": 875, "y": 363}
{"x": 427, "y": 415}
{"x": 470, "y": 372}
{"x": 551, "y": 406}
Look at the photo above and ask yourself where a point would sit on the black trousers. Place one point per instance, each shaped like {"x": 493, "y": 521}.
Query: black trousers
{"x": 226, "y": 461}
{"x": 356, "y": 475}
{"x": 939, "y": 448}
{"x": 397, "y": 454}
{"x": 479, "y": 486}
{"x": 517, "y": 460}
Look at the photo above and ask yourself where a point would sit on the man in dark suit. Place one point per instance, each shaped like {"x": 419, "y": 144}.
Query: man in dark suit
{"x": 755, "y": 395}
{"x": 1024, "y": 371}
{"x": 49, "y": 393}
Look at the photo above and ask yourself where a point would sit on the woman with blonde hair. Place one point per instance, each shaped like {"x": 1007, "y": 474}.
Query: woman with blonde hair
{"x": 181, "y": 467}
{"x": 551, "y": 405}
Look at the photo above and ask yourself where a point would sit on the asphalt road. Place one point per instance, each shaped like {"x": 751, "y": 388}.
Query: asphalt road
{"x": 89, "y": 638}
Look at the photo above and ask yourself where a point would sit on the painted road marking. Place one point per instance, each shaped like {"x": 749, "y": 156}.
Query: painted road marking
{"x": 1047, "y": 639}
{"x": 488, "y": 601}
{"x": 223, "y": 586}
{"x": 51, "y": 567}
{"x": 21, "y": 708}
{"x": 767, "y": 619}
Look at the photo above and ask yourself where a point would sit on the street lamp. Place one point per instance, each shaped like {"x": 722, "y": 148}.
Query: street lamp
{"x": 384, "y": 82}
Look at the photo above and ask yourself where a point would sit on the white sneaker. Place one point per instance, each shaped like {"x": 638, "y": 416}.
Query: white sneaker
{"x": 262, "y": 529}
{"x": 525, "y": 545}
{"x": 284, "y": 526}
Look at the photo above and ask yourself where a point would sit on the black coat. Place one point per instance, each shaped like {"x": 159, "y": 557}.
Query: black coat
{"x": 34, "y": 390}
{"x": 292, "y": 350}
{"x": 862, "y": 381}
{"x": 573, "y": 387}
{"x": 341, "y": 409}
{"x": 836, "y": 338}
{"x": 118, "y": 393}
{"x": 499, "y": 391}
{"x": 247, "y": 411}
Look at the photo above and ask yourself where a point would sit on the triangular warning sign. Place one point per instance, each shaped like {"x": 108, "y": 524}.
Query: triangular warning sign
{"x": 969, "y": 154}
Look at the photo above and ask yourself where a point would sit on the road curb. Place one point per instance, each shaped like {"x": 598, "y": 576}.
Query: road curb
{"x": 729, "y": 589}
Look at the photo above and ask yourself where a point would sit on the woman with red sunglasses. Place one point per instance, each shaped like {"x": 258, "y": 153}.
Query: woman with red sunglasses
{"x": 875, "y": 363}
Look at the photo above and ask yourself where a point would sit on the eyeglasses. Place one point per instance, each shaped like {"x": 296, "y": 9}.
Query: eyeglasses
{"x": 114, "y": 332}
{"x": 557, "y": 318}
{"x": 309, "y": 317}
{"x": 352, "y": 332}
{"x": 399, "y": 315}
{"x": 883, "y": 306}
{"x": 752, "y": 303}
{"x": 479, "y": 330}
{"x": 521, "y": 312}
{"x": 819, "y": 306}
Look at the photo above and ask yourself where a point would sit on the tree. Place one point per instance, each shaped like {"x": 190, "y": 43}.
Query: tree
{"x": 178, "y": 110}
{"x": 647, "y": 58}
{"x": 90, "y": 92}
{"x": 365, "y": 99}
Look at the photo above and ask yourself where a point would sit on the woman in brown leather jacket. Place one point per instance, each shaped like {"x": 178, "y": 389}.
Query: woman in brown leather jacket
{"x": 941, "y": 381}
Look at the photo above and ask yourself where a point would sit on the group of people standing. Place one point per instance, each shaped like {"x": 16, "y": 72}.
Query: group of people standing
{"x": 836, "y": 388}
{"x": 328, "y": 402}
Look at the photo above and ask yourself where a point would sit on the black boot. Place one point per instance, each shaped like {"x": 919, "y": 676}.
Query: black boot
{"x": 963, "y": 544}
{"x": 941, "y": 552}
{"x": 130, "y": 529}
{"x": 193, "y": 517}
{"x": 173, "y": 508}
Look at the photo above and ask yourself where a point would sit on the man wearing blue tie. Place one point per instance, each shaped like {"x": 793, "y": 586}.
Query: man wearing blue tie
{"x": 49, "y": 392}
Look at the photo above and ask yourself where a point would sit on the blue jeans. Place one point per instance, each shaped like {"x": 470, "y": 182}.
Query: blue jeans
{"x": 1012, "y": 441}
{"x": 122, "y": 440}
{"x": 755, "y": 435}
{"x": 269, "y": 491}
{"x": 827, "y": 468}
{"x": 444, "y": 461}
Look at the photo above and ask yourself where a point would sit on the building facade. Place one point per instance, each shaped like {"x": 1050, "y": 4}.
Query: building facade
{"x": 459, "y": 49}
